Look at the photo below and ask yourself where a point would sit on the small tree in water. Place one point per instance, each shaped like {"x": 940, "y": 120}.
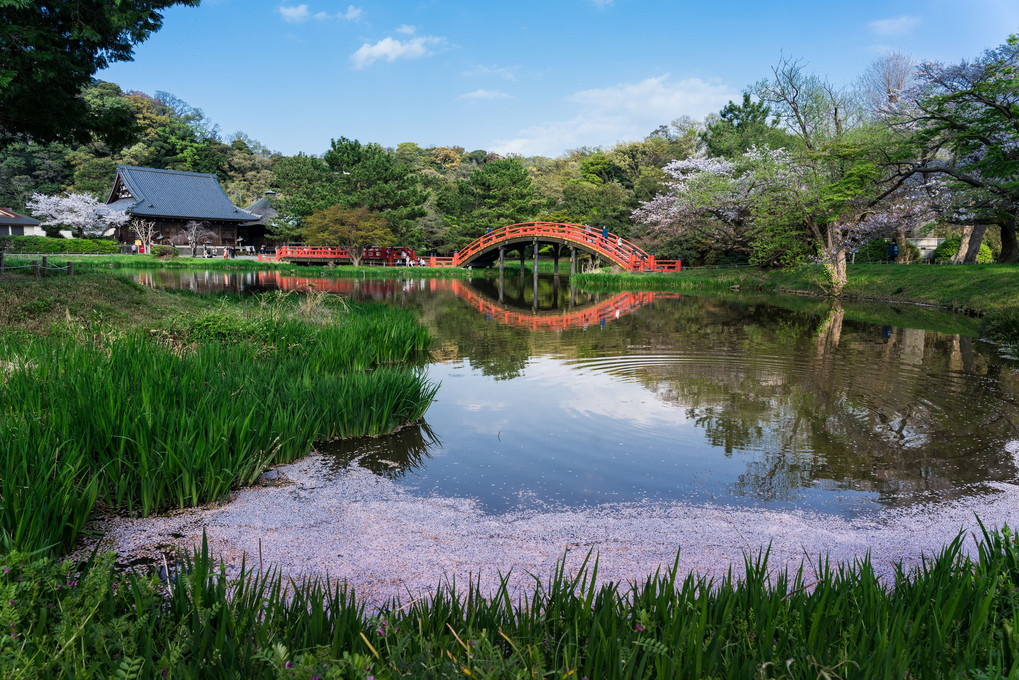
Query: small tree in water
{"x": 347, "y": 228}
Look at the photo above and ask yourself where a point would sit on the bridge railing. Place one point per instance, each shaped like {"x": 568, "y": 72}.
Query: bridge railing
{"x": 612, "y": 246}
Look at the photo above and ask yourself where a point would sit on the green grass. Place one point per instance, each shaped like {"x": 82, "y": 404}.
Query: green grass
{"x": 141, "y": 419}
{"x": 989, "y": 290}
{"x": 220, "y": 264}
{"x": 952, "y": 617}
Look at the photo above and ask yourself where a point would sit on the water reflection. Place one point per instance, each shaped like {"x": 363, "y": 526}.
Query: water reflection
{"x": 393, "y": 456}
{"x": 564, "y": 397}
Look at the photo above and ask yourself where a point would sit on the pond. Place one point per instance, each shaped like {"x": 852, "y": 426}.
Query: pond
{"x": 554, "y": 398}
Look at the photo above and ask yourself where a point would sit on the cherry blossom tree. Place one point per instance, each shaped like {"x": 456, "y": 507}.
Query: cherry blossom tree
{"x": 193, "y": 233}
{"x": 965, "y": 119}
{"x": 716, "y": 201}
{"x": 81, "y": 213}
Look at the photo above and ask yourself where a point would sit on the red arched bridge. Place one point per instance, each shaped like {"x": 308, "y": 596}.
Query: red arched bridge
{"x": 492, "y": 247}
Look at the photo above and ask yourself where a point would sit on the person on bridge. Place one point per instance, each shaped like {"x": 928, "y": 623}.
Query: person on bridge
{"x": 605, "y": 233}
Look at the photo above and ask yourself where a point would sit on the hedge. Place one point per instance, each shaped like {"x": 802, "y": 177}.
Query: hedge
{"x": 45, "y": 244}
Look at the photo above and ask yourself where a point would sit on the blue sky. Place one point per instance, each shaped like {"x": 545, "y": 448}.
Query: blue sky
{"x": 524, "y": 76}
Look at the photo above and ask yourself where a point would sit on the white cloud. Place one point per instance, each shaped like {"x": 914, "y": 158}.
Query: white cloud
{"x": 485, "y": 94}
{"x": 391, "y": 49}
{"x": 294, "y": 14}
{"x": 406, "y": 29}
{"x": 623, "y": 112}
{"x": 507, "y": 72}
{"x": 894, "y": 26}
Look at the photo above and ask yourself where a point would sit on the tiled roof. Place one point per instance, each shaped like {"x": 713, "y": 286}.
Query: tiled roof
{"x": 171, "y": 193}
{"x": 10, "y": 218}
{"x": 262, "y": 209}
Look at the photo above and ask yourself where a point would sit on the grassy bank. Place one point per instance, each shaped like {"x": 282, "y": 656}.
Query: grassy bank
{"x": 220, "y": 264}
{"x": 988, "y": 290}
{"x": 951, "y": 618}
{"x": 140, "y": 417}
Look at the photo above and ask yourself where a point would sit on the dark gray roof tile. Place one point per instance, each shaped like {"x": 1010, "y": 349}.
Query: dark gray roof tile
{"x": 10, "y": 218}
{"x": 172, "y": 193}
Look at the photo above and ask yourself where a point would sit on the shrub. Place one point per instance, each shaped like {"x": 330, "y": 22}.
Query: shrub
{"x": 47, "y": 245}
{"x": 165, "y": 252}
{"x": 950, "y": 246}
{"x": 877, "y": 251}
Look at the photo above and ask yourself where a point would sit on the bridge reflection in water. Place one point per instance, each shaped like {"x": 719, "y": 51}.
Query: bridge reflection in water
{"x": 579, "y": 310}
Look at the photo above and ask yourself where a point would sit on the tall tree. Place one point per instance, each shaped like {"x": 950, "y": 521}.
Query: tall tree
{"x": 49, "y": 51}
{"x": 368, "y": 176}
{"x": 966, "y": 118}
{"x": 497, "y": 194}
{"x": 739, "y": 127}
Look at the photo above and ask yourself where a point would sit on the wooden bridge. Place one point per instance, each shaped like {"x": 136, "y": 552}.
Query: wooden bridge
{"x": 493, "y": 246}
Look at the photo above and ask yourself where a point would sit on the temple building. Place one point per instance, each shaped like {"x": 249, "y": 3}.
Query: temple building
{"x": 16, "y": 224}
{"x": 171, "y": 199}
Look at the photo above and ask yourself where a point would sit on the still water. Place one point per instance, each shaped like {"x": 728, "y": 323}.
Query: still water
{"x": 554, "y": 397}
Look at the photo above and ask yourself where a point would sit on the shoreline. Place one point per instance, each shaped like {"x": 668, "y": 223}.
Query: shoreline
{"x": 385, "y": 542}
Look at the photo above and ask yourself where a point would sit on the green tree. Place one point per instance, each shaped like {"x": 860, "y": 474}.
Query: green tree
{"x": 497, "y": 194}
{"x": 95, "y": 177}
{"x": 368, "y": 176}
{"x": 305, "y": 184}
{"x": 967, "y": 121}
{"x": 741, "y": 126}
{"x": 49, "y": 51}
{"x": 352, "y": 229}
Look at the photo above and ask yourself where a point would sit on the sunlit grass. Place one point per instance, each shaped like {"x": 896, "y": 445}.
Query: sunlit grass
{"x": 150, "y": 419}
{"x": 952, "y": 617}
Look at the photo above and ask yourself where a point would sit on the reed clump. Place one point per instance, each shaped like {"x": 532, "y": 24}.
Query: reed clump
{"x": 952, "y": 617}
{"x": 149, "y": 419}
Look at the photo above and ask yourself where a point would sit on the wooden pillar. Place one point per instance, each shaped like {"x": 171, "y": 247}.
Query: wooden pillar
{"x": 35, "y": 266}
{"x": 70, "y": 269}
{"x": 502, "y": 261}
{"x": 534, "y": 294}
{"x": 573, "y": 260}
{"x": 555, "y": 259}
{"x": 535, "y": 256}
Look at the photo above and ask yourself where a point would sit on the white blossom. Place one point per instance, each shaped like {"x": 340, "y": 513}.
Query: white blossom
{"x": 81, "y": 213}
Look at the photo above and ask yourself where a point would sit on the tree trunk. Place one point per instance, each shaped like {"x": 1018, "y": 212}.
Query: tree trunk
{"x": 1009, "y": 246}
{"x": 975, "y": 240}
{"x": 900, "y": 241}
{"x": 834, "y": 262}
{"x": 960, "y": 256}
{"x": 972, "y": 237}
{"x": 355, "y": 255}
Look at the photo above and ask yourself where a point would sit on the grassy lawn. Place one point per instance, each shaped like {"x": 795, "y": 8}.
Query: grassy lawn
{"x": 978, "y": 288}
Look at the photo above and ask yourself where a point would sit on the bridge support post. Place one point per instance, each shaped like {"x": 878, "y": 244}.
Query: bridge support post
{"x": 573, "y": 260}
{"x": 555, "y": 259}
{"x": 502, "y": 284}
{"x": 502, "y": 260}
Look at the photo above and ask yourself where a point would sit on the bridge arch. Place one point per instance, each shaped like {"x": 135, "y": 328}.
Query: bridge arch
{"x": 484, "y": 250}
